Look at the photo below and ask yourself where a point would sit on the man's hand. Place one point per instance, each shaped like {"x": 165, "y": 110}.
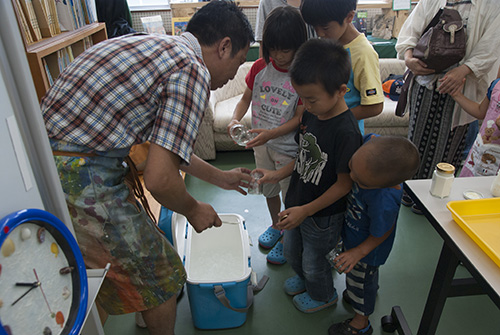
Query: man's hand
{"x": 235, "y": 179}
{"x": 203, "y": 216}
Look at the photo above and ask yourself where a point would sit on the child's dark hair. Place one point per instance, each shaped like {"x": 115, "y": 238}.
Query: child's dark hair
{"x": 320, "y": 12}
{"x": 284, "y": 29}
{"x": 321, "y": 61}
{"x": 219, "y": 19}
{"x": 391, "y": 159}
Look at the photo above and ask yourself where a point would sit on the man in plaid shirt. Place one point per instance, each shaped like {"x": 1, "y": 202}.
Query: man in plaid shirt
{"x": 126, "y": 91}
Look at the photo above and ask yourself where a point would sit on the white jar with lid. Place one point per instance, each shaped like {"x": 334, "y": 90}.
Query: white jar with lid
{"x": 442, "y": 179}
{"x": 495, "y": 186}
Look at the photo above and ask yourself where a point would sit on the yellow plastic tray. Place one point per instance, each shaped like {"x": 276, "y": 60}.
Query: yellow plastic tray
{"x": 480, "y": 219}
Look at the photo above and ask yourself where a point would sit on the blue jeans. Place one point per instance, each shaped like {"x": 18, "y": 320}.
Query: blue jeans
{"x": 305, "y": 249}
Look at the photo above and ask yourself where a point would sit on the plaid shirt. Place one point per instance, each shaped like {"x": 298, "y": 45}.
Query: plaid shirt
{"x": 127, "y": 90}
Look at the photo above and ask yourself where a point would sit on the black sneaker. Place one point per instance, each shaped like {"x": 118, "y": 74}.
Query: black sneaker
{"x": 343, "y": 328}
{"x": 406, "y": 200}
{"x": 415, "y": 209}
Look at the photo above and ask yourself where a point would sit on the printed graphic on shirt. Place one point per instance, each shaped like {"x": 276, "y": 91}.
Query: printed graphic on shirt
{"x": 311, "y": 160}
{"x": 354, "y": 208}
{"x": 273, "y": 103}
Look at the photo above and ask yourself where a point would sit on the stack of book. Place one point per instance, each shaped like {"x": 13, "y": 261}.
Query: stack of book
{"x": 40, "y": 19}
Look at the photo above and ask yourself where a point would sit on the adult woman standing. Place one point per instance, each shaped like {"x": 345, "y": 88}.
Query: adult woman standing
{"x": 438, "y": 126}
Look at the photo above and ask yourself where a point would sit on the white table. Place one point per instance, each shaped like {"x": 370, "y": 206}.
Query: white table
{"x": 457, "y": 247}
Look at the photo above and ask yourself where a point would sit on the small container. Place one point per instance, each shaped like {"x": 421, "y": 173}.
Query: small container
{"x": 240, "y": 134}
{"x": 442, "y": 179}
{"x": 495, "y": 186}
{"x": 339, "y": 248}
{"x": 472, "y": 195}
{"x": 253, "y": 186}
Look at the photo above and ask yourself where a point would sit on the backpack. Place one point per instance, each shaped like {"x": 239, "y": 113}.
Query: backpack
{"x": 443, "y": 42}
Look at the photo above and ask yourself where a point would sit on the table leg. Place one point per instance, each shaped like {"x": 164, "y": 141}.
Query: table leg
{"x": 441, "y": 285}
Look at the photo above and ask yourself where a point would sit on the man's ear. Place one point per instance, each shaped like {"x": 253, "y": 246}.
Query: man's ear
{"x": 350, "y": 16}
{"x": 225, "y": 47}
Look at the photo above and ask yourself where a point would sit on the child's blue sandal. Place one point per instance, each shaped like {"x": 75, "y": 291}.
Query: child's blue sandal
{"x": 294, "y": 285}
{"x": 275, "y": 256}
{"x": 304, "y": 303}
{"x": 343, "y": 328}
{"x": 268, "y": 239}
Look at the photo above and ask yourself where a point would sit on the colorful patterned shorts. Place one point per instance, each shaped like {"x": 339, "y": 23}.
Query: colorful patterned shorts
{"x": 112, "y": 227}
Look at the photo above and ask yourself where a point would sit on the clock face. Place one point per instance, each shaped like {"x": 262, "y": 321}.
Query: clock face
{"x": 40, "y": 280}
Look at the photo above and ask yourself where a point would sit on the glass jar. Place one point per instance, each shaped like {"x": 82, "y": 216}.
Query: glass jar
{"x": 495, "y": 186}
{"x": 442, "y": 179}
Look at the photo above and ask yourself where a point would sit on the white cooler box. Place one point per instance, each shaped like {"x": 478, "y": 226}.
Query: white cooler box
{"x": 217, "y": 263}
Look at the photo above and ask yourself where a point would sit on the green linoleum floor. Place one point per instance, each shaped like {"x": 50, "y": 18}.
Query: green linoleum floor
{"x": 404, "y": 280}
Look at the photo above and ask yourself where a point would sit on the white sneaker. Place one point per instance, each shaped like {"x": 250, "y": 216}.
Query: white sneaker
{"x": 139, "y": 320}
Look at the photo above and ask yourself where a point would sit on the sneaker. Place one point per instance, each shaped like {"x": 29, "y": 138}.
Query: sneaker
{"x": 139, "y": 320}
{"x": 294, "y": 285}
{"x": 269, "y": 238}
{"x": 275, "y": 256}
{"x": 304, "y": 303}
{"x": 406, "y": 200}
{"x": 415, "y": 209}
{"x": 343, "y": 328}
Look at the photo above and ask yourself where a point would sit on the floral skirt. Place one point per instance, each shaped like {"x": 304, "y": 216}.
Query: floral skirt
{"x": 112, "y": 227}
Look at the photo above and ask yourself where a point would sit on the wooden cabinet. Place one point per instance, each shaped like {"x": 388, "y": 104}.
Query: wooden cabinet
{"x": 46, "y": 57}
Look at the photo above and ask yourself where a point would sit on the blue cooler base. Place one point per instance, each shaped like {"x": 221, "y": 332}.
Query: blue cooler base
{"x": 209, "y": 313}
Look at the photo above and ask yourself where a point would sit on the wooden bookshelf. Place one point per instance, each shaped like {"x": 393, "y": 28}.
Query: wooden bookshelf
{"x": 45, "y": 52}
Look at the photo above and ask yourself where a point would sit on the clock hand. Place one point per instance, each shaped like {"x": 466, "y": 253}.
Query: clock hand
{"x": 41, "y": 289}
{"x": 27, "y": 284}
{"x": 33, "y": 285}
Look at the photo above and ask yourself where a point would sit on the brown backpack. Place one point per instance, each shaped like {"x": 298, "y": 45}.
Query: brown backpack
{"x": 444, "y": 41}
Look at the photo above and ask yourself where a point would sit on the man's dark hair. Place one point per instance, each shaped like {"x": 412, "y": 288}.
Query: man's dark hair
{"x": 320, "y": 12}
{"x": 284, "y": 29}
{"x": 321, "y": 61}
{"x": 219, "y": 19}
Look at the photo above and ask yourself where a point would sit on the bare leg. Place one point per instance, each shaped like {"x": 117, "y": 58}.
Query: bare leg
{"x": 274, "y": 206}
{"x": 359, "y": 321}
{"x": 161, "y": 319}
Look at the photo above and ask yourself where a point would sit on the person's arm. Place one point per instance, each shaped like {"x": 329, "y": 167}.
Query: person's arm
{"x": 241, "y": 108}
{"x": 163, "y": 180}
{"x": 472, "y": 107}
{"x": 294, "y": 216}
{"x": 274, "y": 176}
{"x": 265, "y": 135}
{"x": 365, "y": 111}
{"x": 229, "y": 180}
{"x": 348, "y": 259}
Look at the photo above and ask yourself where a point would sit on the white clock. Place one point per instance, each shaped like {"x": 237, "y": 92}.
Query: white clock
{"x": 43, "y": 281}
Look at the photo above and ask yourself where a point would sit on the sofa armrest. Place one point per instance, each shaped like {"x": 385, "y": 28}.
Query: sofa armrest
{"x": 233, "y": 87}
{"x": 391, "y": 66}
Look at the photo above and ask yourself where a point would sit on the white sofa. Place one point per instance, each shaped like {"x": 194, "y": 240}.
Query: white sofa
{"x": 213, "y": 135}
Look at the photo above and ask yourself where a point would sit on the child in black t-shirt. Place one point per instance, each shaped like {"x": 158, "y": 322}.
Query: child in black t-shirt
{"x": 316, "y": 200}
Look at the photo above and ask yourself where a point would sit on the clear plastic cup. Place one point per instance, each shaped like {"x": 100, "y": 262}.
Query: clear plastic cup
{"x": 339, "y": 248}
{"x": 240, "y": 134}
{"x": 253, "y": 186}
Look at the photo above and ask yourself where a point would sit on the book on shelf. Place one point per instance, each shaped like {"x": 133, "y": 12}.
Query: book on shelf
{"x": 47, "y": 72}
{"x": 29, "y": 13}
{"x": 41, "y": 15}
{"x": 66, "y": 17}
{"x": 23, "y": 22}
{"x": 153, "y": 24}
{"x": 179, "y": 25}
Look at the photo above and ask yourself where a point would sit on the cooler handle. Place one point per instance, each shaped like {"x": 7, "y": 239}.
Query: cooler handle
{"x": 220, "y": 294}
